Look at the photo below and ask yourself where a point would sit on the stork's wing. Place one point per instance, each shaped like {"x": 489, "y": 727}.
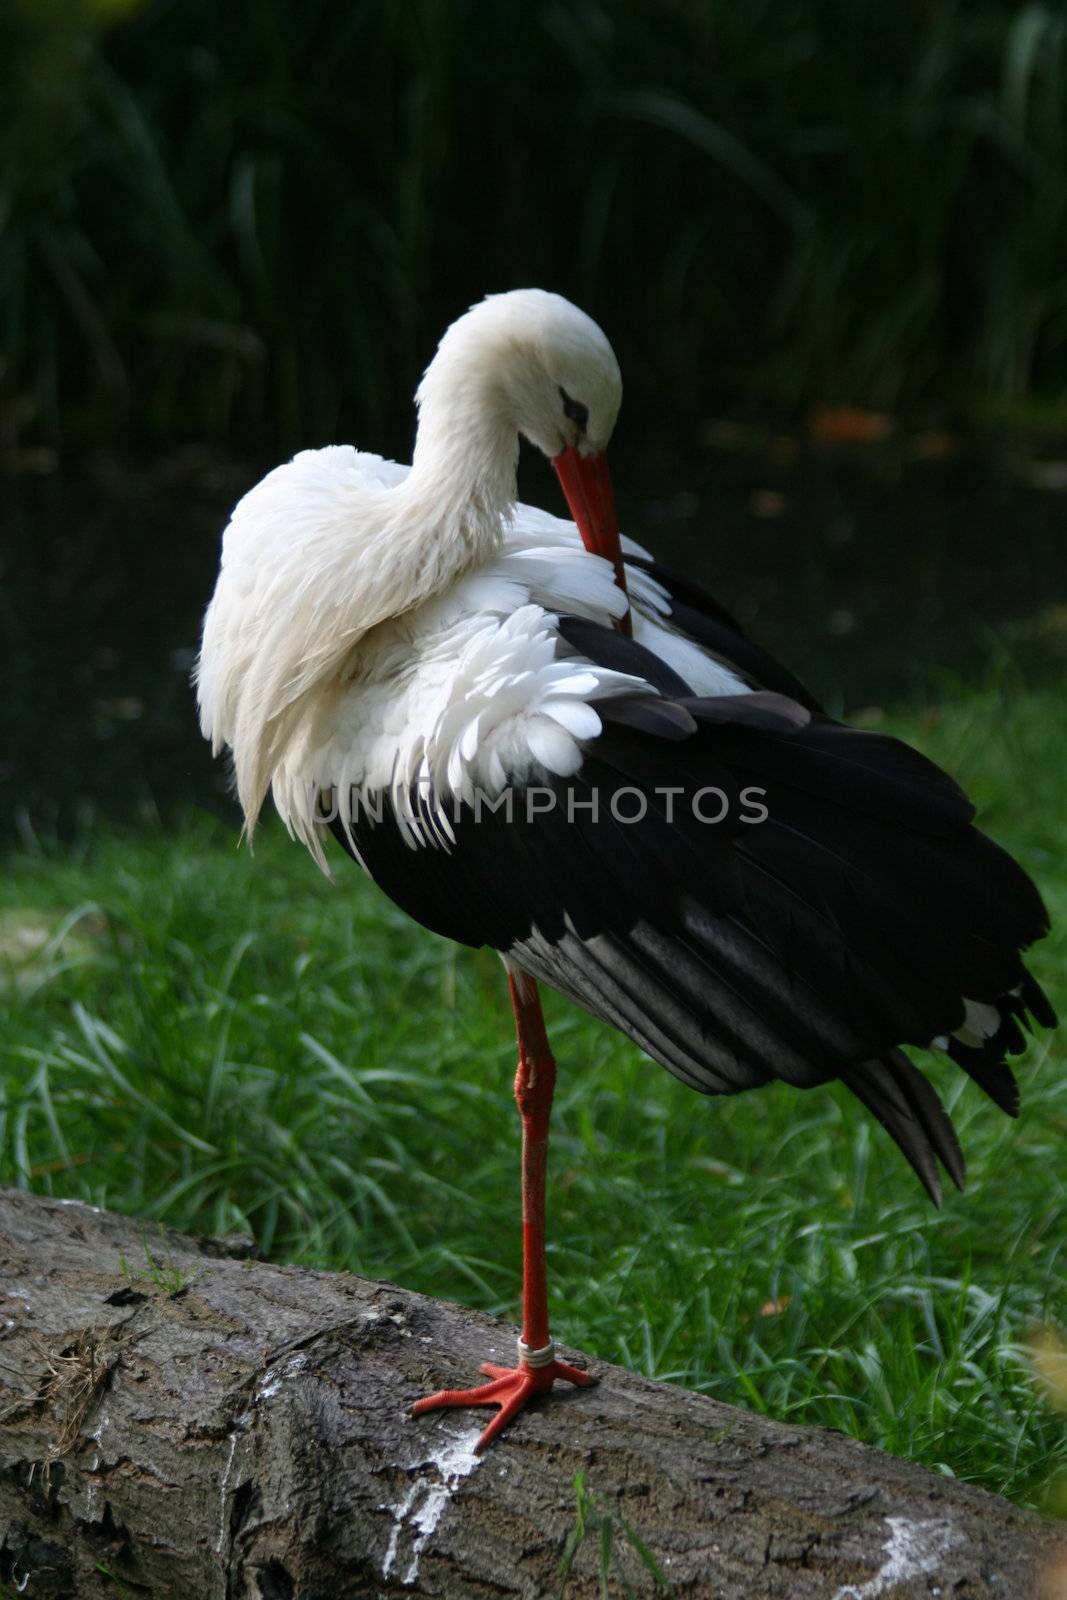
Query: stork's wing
{"x": 696, "y": 613}
{"x": 861, "y": 912}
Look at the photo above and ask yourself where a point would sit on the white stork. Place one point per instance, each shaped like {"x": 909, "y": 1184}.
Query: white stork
{"x": 533, "y": 737}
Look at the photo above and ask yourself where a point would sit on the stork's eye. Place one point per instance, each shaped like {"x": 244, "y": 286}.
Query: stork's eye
{"x": 574, "y": 410}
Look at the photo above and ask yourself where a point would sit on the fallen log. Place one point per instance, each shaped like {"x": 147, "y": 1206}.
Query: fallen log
{"x": 179, "y": 1419}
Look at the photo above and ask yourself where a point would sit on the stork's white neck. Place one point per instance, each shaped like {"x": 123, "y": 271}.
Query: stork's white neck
{"x": 461, "y": 490}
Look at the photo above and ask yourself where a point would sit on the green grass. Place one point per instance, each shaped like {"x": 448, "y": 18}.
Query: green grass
{"x": 591, "y": 1520}
{"x": 226, "y": 1041}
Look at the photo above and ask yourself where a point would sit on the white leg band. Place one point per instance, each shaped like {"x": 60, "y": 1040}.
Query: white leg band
{"x": 536, "y": 1358}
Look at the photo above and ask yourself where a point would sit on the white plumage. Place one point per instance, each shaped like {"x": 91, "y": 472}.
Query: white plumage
{"x": 313, "y": 689}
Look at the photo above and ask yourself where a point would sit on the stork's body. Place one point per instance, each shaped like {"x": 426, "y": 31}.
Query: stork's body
{"x": 662, "y": 826}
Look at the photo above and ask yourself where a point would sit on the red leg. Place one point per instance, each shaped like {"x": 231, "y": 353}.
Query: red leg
{"x": 538, "y": 1368}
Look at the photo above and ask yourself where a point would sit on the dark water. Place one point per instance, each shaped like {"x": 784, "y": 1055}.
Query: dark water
{"x": 877, "y": 577}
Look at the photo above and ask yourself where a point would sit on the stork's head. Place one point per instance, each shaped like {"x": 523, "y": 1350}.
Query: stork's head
{"x": 541, "y": 366}
{"x": 532, "y": 364}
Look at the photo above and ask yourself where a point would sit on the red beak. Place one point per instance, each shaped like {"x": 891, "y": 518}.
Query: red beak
{"x": 586, "y": 482}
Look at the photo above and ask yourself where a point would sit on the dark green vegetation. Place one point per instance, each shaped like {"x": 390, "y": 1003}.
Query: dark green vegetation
{"x": 227, "y": 1041}
{"x": 251, "y": 221}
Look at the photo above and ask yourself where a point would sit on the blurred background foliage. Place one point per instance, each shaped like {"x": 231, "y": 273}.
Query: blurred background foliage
{"x": 248, "y": 223}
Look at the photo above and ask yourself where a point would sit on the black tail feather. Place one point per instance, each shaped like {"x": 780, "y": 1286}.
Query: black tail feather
{"x": 984, "y": 1062}
{"x": 1037, "y": 1002}
{"x": 896, "y": 1092}
{"x": 929, "y": 1111}
{"x": 994, "y": 1077}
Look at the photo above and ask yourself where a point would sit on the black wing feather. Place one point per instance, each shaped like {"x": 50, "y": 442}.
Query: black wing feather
{"x": 856, "y": 917}
{"x": 696, "y": 613}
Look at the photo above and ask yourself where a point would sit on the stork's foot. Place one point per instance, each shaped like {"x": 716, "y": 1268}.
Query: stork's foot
{"x": 510, "y": 1389}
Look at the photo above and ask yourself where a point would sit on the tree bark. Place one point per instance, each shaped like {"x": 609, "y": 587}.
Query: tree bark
{"x": 214, "y": 1428}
